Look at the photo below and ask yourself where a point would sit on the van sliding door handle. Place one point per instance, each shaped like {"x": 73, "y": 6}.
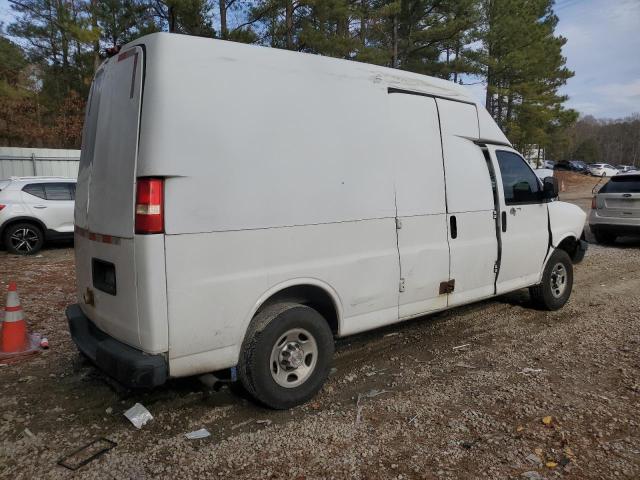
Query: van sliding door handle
{"x": 453, "y": 223}
{"x": 504, "y": 222}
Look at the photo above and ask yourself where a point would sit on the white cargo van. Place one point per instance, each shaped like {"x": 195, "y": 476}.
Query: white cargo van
{"x": 238, "y": 207}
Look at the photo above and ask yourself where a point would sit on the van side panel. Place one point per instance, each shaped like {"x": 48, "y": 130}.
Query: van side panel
{"x": 215, "y": 279}
{"x": 414, "y": 133}
{"x": 470, "y": 200}
{"x": 310, "y": 149}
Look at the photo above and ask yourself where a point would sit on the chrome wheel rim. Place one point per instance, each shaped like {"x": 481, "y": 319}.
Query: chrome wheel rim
{"x": 293, "y": 358}
{"x": 24, "y": 240}
{"x": 558, "y": 280}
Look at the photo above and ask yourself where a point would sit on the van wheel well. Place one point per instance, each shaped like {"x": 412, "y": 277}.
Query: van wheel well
{"x": 569, "y": 245}
{"x": 311, "y": 296}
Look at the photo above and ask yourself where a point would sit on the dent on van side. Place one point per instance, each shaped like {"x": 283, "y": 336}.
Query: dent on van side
{"x": 246, "y": 226}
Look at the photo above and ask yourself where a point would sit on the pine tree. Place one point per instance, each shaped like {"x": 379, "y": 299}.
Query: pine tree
{"x": 524, "y": 68}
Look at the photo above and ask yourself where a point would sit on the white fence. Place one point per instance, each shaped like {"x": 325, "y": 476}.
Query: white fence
{"x": 38, "y": 162}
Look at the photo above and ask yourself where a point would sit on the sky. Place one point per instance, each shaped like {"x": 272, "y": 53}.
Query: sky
{"x": 603, "y": 49}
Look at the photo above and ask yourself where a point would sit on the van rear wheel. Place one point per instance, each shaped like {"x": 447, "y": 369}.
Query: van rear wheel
{"x": 286, "y": 355}
{"x": 557, "y": 281}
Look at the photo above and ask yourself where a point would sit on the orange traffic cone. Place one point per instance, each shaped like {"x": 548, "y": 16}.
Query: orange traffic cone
{"x": 14, "y": 338}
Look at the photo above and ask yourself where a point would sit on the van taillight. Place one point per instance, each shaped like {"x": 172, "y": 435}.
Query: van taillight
{"x": 593, "y": 203}
{"x": 150, "y": 205}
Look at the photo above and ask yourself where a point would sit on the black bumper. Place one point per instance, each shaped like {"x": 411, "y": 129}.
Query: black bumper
{"x": 581, "y": 250}
{"x": 619, "y": 230}
{"x": 129, "y": 366}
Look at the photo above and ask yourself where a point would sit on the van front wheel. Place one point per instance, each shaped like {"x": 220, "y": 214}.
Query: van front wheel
{"x": 286, "y": 355}
{"x": 557, "y": 282}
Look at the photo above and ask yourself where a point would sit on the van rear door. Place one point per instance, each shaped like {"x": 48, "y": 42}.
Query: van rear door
{"x": 105, "y": 196}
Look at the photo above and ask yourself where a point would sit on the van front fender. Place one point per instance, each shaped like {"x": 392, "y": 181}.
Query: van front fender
{"x": 565, "y": 220}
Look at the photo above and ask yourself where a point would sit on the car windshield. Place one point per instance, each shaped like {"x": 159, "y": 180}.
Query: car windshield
{"x": 622, "y": 184}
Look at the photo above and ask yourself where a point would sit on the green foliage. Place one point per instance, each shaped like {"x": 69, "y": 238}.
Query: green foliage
{"x": 522, "y": 61}
{"x": 12, "y": 63}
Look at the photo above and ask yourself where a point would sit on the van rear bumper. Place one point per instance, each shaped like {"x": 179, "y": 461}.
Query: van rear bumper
{"x": 129, "y": 366}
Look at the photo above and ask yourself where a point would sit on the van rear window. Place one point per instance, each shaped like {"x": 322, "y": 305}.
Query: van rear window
{"x": 622, "y": 184}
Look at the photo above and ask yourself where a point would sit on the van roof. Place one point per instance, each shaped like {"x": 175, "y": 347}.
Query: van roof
{"x": 393, "y": 78}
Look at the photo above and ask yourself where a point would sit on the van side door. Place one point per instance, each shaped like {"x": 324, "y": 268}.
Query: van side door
{"x": 524, "y": 221}
{"x": 471, "y": 212}
{"x": 421, "y": 220}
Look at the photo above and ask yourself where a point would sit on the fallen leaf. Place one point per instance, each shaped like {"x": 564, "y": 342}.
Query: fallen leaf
{"x": 551, "y": 464}
{"x": 547, "y": 420}
{"x": 520, "y": 428}
{"x": 538, "y": 451}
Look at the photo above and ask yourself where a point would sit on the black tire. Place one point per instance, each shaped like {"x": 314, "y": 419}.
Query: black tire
{"x": 255, "y": 367}
{"x": 604, "y": 238}
{"x": 23, "y": 238}
{"x": 548, "y": 295}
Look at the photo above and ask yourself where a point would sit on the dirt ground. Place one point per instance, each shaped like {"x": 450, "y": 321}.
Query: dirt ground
{"x": 427, "y": 409}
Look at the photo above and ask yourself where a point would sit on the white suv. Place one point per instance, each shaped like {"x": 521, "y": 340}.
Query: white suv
{"x": 35, "y": 209}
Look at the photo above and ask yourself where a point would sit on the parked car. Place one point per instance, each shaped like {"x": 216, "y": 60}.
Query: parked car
{"x": 602, "y": 170}
{"x": 204, "y": 245}
{"x": 34, "y": 210}
{"x": 624, "y": 168}
{"x": 579, "y": 166}
{"x": 566, "y": 166}
{"x": 615, "y": 209}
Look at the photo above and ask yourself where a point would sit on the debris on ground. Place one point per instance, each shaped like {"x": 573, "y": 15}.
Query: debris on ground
{"x": 460, "y": 347}
{"x": 530, "y": 370}
{"x": 87, "y": 453}
{"x": 241, "y": 424}
{"x": 196, "y": 434}
{"x": 138, "y": 415}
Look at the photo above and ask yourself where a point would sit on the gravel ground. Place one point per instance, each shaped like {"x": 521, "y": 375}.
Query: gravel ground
{"x": 532, "y": 395}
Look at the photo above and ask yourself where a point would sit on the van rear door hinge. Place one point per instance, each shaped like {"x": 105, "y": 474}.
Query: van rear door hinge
{"x": 496, "y": 267}
{"x": 447, "y": 287}
{"x": 401, "y": 288}
{"x": 398, "y": 223}
{"x": 495, "y": 214}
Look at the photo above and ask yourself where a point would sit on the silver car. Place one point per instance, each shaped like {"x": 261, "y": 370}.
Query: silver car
{"x": 615, "y": 209}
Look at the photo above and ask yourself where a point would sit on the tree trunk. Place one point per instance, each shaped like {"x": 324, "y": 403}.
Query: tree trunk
{"x": 224, "y": 31}
{"x": 289, "y": 24}
{"x": 96, "y": 42}
{"x": 363, "y": 22}
{"x": 394, "y": 62}
{"x": 171, "y": 17}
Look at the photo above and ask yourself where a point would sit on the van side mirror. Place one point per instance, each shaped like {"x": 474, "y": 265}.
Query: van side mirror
{"x": 550, "y": 188}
